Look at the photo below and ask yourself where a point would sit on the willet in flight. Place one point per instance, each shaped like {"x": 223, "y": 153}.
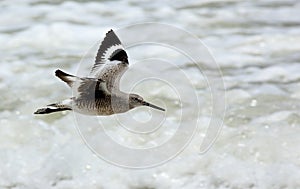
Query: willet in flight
{"x": 100, "y": 93}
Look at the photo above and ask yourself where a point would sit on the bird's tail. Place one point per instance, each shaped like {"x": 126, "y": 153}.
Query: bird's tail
{"x": 69, "y": 79}
{"x": 56, "y": 107}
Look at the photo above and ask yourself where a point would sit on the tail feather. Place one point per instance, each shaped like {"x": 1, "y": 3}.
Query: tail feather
{"x": 69, "y": 79}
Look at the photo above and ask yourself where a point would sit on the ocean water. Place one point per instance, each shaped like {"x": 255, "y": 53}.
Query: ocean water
{"x": 255, "y": 44}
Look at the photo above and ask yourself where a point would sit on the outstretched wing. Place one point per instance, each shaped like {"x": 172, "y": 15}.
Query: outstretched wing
{"x": 110, "y": 49}
{"x": 111, "y": 61}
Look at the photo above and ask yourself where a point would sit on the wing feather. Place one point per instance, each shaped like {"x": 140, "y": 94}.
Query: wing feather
{"x": 92, "y": 88}
{"x": 110, "y": 49}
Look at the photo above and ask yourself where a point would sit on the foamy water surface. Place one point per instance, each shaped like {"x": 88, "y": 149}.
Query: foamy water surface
{"x": 256, "y": 44}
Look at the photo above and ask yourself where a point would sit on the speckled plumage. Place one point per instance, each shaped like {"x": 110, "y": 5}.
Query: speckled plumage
{"x": 99, "y": 94}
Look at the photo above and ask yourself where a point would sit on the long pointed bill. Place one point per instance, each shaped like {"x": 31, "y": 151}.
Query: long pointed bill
{"x": 153, "y": 106}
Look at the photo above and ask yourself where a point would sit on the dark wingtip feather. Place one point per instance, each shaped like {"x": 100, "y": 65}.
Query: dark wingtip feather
{"x": 42, "y": 111}
{"x": 50, "y": 110}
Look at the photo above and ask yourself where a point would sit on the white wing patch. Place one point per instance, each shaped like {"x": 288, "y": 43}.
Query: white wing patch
{"x": 105, "y": 58}
{"x": 108, "y": 53}
{"x": 110, "y": 49}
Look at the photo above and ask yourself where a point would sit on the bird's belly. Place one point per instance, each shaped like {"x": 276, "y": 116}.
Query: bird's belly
{"x": 91, "y": 112}
{"x": 100, "y": 107}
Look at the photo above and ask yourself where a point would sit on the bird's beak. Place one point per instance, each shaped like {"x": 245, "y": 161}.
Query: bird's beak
{"x": 153, "y": 106}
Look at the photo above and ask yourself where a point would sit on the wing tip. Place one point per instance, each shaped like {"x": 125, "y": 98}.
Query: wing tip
{"x": 110, "y": 32}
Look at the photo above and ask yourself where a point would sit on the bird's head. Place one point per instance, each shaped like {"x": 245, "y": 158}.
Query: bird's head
{"x": 136, "y": 101}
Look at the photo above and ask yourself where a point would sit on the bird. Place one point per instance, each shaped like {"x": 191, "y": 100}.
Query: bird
{"x": 100, "y": 94}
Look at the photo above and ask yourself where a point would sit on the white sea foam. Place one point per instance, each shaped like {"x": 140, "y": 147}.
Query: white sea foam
{"x": 256, "y": 43}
